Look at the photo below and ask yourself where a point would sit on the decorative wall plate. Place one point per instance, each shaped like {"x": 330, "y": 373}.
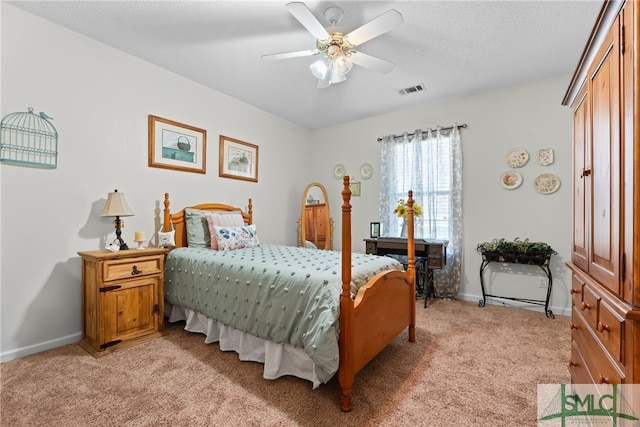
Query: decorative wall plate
{"x": 338, "y": 171}
{"x": 517, "y": 158}
{"x": 511, "y": 180}
{"x": 366, "y": 171}
{"x": 546, "y": 183}
{"x": 545, "y": 156}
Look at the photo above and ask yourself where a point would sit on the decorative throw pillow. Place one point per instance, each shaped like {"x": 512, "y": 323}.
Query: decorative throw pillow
{"x": 231, "y": 238}
{"x": 167, "y": 238}
{"x": 198, "y": 235}
{"x": 222, "y": 219}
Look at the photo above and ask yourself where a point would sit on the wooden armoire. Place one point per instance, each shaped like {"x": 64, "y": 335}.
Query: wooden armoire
{"x": 316, "y": 225}
{"x": 605, "y": 260}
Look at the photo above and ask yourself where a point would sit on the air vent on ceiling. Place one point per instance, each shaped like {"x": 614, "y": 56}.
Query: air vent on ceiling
{"x": 412, "y": 89}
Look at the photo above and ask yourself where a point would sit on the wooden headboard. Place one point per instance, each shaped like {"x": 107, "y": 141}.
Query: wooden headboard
{"x": 178, "y": 219}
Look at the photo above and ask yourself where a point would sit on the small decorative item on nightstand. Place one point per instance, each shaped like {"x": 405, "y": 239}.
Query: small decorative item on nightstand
{"x": 139, "y": 238}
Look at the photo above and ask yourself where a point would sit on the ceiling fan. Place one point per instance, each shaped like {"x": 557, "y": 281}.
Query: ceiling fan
{"x": 337, "y": 49}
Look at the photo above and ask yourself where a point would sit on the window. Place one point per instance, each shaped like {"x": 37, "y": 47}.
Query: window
{"x": 423, "y": 166}
{"x": 430, "y": 165}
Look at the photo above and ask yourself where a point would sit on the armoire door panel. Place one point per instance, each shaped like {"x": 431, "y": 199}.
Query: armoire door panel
{"x": 605, "y": 158}
{"x": 581, "y": 176}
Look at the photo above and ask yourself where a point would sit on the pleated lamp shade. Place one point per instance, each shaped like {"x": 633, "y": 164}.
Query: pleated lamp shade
{"x": 116, "y": 205}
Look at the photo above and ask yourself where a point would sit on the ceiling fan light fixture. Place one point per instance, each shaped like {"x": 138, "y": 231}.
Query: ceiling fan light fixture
{"x": 336, "y": 47}
{"x": 320, "y": 68}
{"x": 336, "y": 75}
{"x": 341, "y": 63}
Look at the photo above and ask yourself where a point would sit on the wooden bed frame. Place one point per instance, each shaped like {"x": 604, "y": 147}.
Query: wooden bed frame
{"x": 382, "y": 309}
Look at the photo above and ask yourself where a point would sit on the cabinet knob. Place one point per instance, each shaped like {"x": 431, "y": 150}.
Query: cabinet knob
{"x": 603, "y": 327}
{"x": 135, "y": 271}
{"x": 602, "y": 379}
{"x": 573, "y": 326}
{"x": 585, "y": 306}
{"x": 572, "y": 364}
{"x": 585, "y": 172}
{"x": 573, "y": 291}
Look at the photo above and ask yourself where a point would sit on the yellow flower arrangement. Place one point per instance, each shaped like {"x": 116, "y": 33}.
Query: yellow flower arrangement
{"x": 402, "y": 210}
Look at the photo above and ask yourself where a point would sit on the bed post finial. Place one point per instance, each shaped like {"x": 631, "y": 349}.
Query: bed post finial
{"x": 250, "y": 211}
{"x": 166, "y": 225}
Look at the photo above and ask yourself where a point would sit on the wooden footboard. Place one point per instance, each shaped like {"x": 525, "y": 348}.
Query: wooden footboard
{"x": 381, "y": 310}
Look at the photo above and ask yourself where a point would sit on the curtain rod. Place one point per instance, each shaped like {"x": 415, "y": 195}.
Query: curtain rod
{"x": 446, "y": 128}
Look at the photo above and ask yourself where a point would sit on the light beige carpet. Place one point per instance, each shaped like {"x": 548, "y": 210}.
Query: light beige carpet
{"x": 469, "y": 366}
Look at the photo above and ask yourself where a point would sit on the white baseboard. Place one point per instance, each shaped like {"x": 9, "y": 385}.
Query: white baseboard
{"x": 37, "y": 348}
{"x": 563, "y": 311}
{"x": 71, "y": 339}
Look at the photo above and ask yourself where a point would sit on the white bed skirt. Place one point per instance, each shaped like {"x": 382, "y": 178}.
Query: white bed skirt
{"x": 278, "y": 359}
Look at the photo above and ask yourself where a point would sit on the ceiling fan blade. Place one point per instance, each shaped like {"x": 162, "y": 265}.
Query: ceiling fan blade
{"x": 377, "y": 26}
{"x": 370, "y": 62}
{"x": 288, "y": 55}
{"x": 302, "y": 13}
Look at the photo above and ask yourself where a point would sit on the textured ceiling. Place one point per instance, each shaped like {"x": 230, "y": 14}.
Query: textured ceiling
{"x": 454, "y": 48}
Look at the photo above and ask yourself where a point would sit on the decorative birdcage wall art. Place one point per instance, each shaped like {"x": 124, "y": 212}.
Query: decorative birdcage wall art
{"x": 29, "y": 139}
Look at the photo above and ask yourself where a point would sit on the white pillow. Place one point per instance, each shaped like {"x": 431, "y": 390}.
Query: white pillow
{"x": 222, "y": 219}
{"x": 231, "y": 238}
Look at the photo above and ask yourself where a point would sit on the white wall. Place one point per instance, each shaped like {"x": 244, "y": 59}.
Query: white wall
{"x": 528, "y": 117}
{"x": 100, "y": 99}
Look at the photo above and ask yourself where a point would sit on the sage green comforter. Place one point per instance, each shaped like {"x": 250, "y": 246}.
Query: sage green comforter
{"x": 284, "y": 294}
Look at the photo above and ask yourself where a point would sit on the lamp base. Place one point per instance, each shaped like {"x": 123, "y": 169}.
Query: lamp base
{"x": 140, "y": 243}
{"x": 119, "y": 224}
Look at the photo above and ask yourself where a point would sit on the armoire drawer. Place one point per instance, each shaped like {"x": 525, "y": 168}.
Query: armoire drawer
{"x": 589, "y": 306}
{"x": 610, "y": 330}
{"x": 577, "y": 287}
{"x": 577, "y": 367}
{"x": 597, "y": 362}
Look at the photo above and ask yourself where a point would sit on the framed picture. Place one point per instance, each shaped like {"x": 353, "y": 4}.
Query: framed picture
{"x": 238, "y": 159}
{"x": 374, "y": 231}
{"x": 176, "y": 146}
{"x": 355, "y": 189}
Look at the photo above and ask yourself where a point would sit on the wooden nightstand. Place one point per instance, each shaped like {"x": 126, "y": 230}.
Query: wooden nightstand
{"x": 122, "y": 298}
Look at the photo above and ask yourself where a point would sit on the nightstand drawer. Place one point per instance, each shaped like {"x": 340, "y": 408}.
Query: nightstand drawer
{"x": 131, "y": 269}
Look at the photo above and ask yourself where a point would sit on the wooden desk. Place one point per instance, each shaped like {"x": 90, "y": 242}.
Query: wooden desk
{"x": 430, "y": 255}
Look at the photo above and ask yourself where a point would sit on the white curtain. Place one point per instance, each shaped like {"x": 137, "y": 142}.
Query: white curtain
{"x": 430, "y": 164}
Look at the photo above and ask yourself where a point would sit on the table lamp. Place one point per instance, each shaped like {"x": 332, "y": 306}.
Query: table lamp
{"x": 117, "y": 206}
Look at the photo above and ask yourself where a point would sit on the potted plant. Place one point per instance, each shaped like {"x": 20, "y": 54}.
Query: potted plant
{"x": 509, "y": 250}
{"x": 490, "y": 250}
{"x": 539, "y": 252}
{"x": 516, "y": 251}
